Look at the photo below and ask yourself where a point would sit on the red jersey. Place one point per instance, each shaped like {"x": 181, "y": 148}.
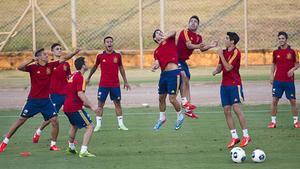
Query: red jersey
{"x": 40, "y": 79}
{"x": 284, "y": 60}
{"x": 59, "y": 78}
{"x": 76, "y": 83}
{"x": 186, "y": 35}
{"x": 232, "y": 77}
{"x": 109, "y": 66}
{"x": 166, "y": 53}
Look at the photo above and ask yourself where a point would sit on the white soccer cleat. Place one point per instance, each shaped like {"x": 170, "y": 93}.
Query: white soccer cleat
{"x": 123, "y": 127}
{"x": 97, "y": 128}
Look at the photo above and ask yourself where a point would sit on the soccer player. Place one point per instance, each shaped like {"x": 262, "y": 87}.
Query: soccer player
{"x": 165, "y": 56}
{"x": 58, "y": 84}
{"x": 38, "y": 99}
{"x": 78, "y": 117}
{"x": 231, "y": 88}
{"x": 188, "y": 41}
{"x": 285, "y": 62}
{"x": 110, "y": 64}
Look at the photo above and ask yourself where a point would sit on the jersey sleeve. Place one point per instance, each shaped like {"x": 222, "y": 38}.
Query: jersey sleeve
{"x": 80, "y": 84}
{"x": 28, "y": 68}
{"x": 274, "y": 57}
{"x": 98, "y": 60}
{"x": 235, "y": 58}
{"x": 186, "y": 36}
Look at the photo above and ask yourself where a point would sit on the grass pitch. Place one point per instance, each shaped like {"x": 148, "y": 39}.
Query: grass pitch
{"x": 199, "y": 143}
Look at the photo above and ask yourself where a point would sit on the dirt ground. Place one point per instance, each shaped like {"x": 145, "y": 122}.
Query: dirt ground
{"x": 203, "y": 94}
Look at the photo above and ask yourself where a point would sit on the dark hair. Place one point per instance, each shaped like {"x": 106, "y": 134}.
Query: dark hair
{"x": 108, "y": 37}
{"x": 283, "y": 33}
{"x": 154, "y": 34}
{"x": 233, "y": 36}
{"x": 79, "y": 62}
{"x": 54, "y": 45}
{"x": 195, "y": 17}
{"x": 38, "y": 52}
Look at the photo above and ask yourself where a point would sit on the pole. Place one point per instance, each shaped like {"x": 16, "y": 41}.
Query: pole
{"x": 246, "y": 31}
{"x": 141, "y": 34}
{"x": 73, "y": 23}
{"x": 33, "y": 27}
{"x": 162, "y": 15}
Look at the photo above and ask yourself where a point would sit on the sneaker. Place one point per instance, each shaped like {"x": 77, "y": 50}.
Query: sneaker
{"x": 233, "y": 142}
{"x": 54, "y": 148}
{"x": 70, "y": 151}
{"x": 297, "y": 125}
{"x": 97, "y": 128}
{"x": 271, "y": 125}
{"x": 245, "y": 141}
{"x": 35, "y": 138}
{"x": 191, "y": 114}
{"x": 189, "y": 106}
{"x": 158, "y": 124}
{"x": 86, "y": 154}
{"x": 2, "y": 147}
{"x": 179, "y": 122}
{"x": 123, "y": 127}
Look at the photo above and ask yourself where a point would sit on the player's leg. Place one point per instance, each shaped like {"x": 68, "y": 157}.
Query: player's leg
{"x": 72, "y": 134}
{"x": 115, "y": 96}
{"x": 58, "y": 101}
{"x": 162, "y": 91}
{"x": 277, "y": 91}
{"x": 290, "y": 94}
{"x": 14, "y": 127}
{"x": 246, "y": 138}
{"x": 102, "y": 95}
{"x": 49, "y": 113}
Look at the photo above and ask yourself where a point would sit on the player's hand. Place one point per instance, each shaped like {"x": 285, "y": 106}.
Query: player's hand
{"x": 271, "y": 80}
{"x": 127, "y": 86}
{"x": 214, "y": 73}
{"x": 77, "y": 51}
{"x": 201, "y": 45}
{"x": 290, "y": 73}
{"x": 155, "y": 66}
{"x": 214, "y": 43}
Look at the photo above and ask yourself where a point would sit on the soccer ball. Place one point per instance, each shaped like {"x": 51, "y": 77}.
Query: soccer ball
{"x": 258, "y": 156}
{"x": 238, "y": 155}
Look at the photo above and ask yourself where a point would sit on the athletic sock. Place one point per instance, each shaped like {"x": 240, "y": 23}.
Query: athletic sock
{"x": 83, "y": 149}
{"x": 234, "y": 133}
{"x": 184, "y": 100}
{"x": 72, "y": 146}
{"x": 273, "y": 118}
{"x": 245, "y": 133}
{"x": 98, "y": 121}
{"x": 162, "y": 116}
{"x": 120, "y": 120}
{"x": 295, "y": 119}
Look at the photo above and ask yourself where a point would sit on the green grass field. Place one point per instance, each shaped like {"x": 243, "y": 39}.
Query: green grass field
{"x": 199, "y": 143}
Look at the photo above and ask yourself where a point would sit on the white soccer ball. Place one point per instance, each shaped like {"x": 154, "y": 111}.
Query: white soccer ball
{"x": 238, "y": 155}
{"x": 258, "y": 156}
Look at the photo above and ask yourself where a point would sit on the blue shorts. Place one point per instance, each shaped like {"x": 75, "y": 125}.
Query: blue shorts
{"x": 79, "y": 119}
{"x": 35, "y": 106}
{"x": 184, "y": 67}
{"x": 114, "y": 93}
{"x": 231, "y": 95}
{"x": 169, "y": 82}
{"x": 287, "y": 87}
{"x": 58, "y": 101}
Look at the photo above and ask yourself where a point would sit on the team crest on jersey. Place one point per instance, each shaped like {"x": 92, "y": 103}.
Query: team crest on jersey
{"x": 289, "y": 56}
{"x": 48, "y": 71}
{"x": 115, "y": 60}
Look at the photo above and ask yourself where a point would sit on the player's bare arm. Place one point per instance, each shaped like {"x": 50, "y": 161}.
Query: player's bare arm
{"x": 169, "y": 34}
{"x": 86, "y": 101}
{"x": 23, "y": 65}
{"x": 227, "y": 66}
{"x": 123, "y": 74}
{"x": 155, "y": 66}
{"x": 204, "y": 47}
{"x": 273, "y": 67}
{"x": 217, "y": 70}
{"x": 93, "y": 70}
{"x": 291, "y": 71}
{"x": 70, "y": 55}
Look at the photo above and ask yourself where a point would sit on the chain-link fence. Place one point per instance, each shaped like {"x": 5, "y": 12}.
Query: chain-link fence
{"x": 120, "y": 19}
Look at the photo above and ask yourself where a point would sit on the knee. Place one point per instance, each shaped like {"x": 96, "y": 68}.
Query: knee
{"x": 162, "y": 99}
{"x": 293, "y": 102}
{"x": 172, "y": 99}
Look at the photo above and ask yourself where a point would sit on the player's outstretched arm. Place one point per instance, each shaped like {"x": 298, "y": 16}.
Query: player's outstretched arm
{"x": 169, "y": 34}
{"x": 123, "y": 74}
{"x": 70, "y": 55}
{"x": 22, "y": 67}
{"x": 204, "y": 47}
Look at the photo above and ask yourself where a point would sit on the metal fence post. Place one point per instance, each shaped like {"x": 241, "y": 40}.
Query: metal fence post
{"x": 141, "y": 34}
{"x": 246, "y": 31}
{"x": 33, "y": 27}
{"x": 162, "y": 15}
{"x": 73, "y": 23}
